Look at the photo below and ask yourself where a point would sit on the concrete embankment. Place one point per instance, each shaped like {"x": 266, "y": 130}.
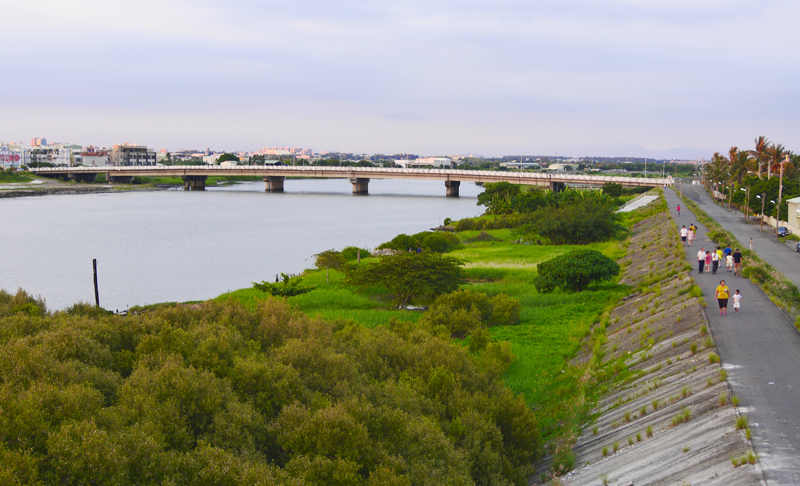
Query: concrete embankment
{"x": 668, "y": 418}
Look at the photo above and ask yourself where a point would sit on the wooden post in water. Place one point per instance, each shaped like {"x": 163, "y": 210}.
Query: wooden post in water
{"x": 96, "y": 293}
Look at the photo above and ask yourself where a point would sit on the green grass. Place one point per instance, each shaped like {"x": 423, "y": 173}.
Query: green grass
{"x": 7, "y": 177}
{"x": 547, "y": 338}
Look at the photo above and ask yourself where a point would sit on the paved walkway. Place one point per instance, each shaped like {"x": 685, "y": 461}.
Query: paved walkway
{"x": 780, "y": 254}
{"x": 759, "y": 347}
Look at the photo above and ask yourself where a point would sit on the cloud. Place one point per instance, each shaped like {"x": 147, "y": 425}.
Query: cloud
{"x": 480, "y": 76}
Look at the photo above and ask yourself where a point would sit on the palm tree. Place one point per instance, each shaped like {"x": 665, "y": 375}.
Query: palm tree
{"x": 760, "y": 152}
{"x": 718, "y": 168}
{"x": 741, "y": 164}
{"x": 776, "y": 153}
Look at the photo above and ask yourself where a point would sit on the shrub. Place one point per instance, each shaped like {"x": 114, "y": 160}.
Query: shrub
{"x": 575, "y": 271}
{"x": 577, "y": 223}
{"x": 441, "y": 242}
{"x": 351, "y": 253}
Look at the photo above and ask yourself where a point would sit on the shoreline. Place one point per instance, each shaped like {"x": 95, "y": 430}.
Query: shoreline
{"x": 66, "y": 190}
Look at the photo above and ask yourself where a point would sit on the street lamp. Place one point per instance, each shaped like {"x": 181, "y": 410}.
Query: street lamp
{"x": 763, "y": 198}
{"x": 746, "y": 202}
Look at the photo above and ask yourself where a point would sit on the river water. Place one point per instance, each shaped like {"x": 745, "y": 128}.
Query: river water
{"x": 180, "y": 245}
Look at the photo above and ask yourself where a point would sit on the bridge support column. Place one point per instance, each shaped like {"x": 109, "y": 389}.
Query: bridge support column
{"x": 274, "y": 183}
{"x": 557, "y": 186}
{"x": 360, "y": 185}
{"x": 83, "y": 176}
{"x": 452, "y": 188}
{"x": 118, "y": 178}
{"x": 194, "y": 183}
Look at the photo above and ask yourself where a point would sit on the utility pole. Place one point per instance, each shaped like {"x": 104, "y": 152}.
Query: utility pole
{"x": 780, "y": 193}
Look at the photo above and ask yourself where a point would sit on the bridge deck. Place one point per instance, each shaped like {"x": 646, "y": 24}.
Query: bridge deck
{"x": 522, "y": 178}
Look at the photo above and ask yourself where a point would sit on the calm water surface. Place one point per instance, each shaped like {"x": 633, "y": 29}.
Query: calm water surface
{"x": 177, "y": 246}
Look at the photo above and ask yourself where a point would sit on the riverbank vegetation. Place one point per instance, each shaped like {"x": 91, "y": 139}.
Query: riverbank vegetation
{"x": 13, "y": 176}
{"x": 342, "y": 384}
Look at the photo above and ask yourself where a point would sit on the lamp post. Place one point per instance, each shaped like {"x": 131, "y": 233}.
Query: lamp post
{"x": 763, "y": 198}
{"x": 746, "y": 202}
{"x": 730, "y": 197}
{"x": 780, "y": 194}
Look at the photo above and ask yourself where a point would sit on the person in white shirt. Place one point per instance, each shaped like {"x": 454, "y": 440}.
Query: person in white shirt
{"x": 737, "y": 301}
{"x": 684, "y": 232}
{"x": 729, "y": 262}
{"x": 701, "y": 260}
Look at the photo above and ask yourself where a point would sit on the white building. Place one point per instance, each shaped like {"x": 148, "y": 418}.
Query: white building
{"x": 13, "y": 156}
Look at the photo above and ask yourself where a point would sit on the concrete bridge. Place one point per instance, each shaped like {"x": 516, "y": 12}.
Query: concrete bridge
{"x": 194, "y": 177}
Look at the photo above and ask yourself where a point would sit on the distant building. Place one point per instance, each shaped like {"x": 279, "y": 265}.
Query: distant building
{"x": 13, "y": 156}
{"x": 38, "y": 142}
{"x": 55, "y": 154}
{"x": 129, "y": 154}
{"x": 92, "y": 159}
{"x": 522, "y": 165}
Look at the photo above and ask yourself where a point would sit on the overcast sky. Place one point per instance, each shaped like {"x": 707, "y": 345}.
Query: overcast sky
{"x": 567, "y": 77}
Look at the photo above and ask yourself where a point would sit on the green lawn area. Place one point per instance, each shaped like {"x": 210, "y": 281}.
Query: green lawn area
{"x": 547, "y": 337}
{"x": 7, "y": 177}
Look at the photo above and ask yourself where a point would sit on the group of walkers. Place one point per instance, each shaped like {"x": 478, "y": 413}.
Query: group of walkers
{"x": 709, "y": 262}
{"x": 688, "y": 235}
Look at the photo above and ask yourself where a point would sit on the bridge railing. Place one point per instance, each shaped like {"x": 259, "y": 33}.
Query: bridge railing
{"x": 558, "y": 177}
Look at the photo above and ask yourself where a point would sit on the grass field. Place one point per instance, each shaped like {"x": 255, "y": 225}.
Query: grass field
{"x": 548, "y": 336}
{"x": 11, "y": 177}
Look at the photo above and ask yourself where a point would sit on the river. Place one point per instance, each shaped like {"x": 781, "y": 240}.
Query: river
{"x": 177, "y": 245}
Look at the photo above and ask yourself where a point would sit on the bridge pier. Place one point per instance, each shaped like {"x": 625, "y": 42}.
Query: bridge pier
{"x": 194, "y": 183}
{"x": 82, "y": 176}
{"x": 274, "y": 183}
{"x": 118, "y": 178}
{"x": 557, "y": 186}
{"x": 452, "y": 188}
{"x": 360, "y": 185}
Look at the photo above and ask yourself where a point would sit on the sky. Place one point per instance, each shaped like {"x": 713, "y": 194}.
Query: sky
{"x": 639, "y": 78}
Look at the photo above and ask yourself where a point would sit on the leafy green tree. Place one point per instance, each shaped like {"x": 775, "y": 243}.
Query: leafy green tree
{"x": 329, "y": 259}
{"x": 613, "y": 189}
{"x": 287, "y": 287}
{"x": 584, "y": 221}
{"x": 409, "y": 276}
{"x": 227, "y": 157}
{"x": 575, "y": 271}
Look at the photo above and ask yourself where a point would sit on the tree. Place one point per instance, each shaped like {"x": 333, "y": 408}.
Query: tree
{"x": 289, "y": 287}
{"x": 227, "y": 157}
{"x": 497, "y": 197}
{"x": 329, "y": 259}
{"x": 580, "y": 222}
{"x": 409, "y": 276}
{"x": 575, "y": 271}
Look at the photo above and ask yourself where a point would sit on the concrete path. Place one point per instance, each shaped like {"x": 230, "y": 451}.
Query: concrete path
{"x": 759, "y": 347}
{"x": 780, "y": 254}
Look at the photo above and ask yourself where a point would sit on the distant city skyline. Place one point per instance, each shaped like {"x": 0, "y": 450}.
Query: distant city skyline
{"x": 662, "y": 78}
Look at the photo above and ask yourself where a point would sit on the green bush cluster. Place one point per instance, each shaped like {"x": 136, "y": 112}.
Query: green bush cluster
{"x": 575, "y": 271}
{"x": 216, "y": 393}
{"x": 461, "y": 312}
{"x": 437, "y": 241}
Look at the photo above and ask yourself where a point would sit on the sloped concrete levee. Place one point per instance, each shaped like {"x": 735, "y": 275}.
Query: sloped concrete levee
{"x": 668, "y": 418}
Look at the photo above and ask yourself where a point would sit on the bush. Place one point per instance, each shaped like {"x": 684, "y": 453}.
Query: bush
{"x": 575, "y": 223}
{"x": 575, "y": 271}
{"x": 351, "y": 253}
{"x": 462, "y": 312}
{"x": 441, "y": 242}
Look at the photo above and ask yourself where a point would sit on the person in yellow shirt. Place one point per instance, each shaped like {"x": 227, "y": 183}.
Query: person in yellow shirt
{"x": 721, "y": 294}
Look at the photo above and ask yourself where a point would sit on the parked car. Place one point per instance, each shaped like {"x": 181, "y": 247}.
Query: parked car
{"x": 783, "y": 231}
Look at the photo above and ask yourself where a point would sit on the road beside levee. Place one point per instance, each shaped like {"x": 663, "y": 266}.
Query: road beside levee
{"x": 773, "y": 251}
{"x": 759, "y": 347}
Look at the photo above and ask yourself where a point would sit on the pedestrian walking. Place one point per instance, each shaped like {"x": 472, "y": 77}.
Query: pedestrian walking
{"x": 721, "y": 294}
{"x": 737, "y": 301}
{"x": 737, "y": 262}
{"x": 751, "y": 243}
{"x": 701, "y": 260}
{"x": 714, "y": 261}
{"x": 708, "y": 262}
{"x": 679, "y": 209}
{"x": 690, "y": 235}
{"x": 729, "y": 263}
{"x": 684, "y": 233}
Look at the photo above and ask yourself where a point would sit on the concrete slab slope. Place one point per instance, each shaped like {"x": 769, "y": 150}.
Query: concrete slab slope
{"x": 668, "y": 419}
{"x": 759, "y": 347}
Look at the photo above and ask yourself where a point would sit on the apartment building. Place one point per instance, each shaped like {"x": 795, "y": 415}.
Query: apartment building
{"x": 129, "y": 154}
